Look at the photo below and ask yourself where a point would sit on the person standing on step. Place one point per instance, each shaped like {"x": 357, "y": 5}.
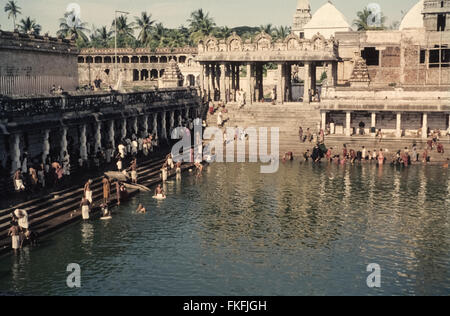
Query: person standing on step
{"x": 18, "y": 181}
{"x": 15, "y": 236}
{"x": 106, "y": 190}
{"x": 133, "y": 169}
{"x": 300, "y": 134}
{"x": 85, "y": 208}
{"x": 164, "y": 172}
{"x": 87, "y": 191}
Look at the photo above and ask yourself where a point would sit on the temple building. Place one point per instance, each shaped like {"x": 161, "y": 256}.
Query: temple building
{"x": 394, "y": 80}
{"x": 140, "y": 67}
{"x": 327, "y": 20}
{"x": 301, "y": 17}
{"x": 32, "y": 64}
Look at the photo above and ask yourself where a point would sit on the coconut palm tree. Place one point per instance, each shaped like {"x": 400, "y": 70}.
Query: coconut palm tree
{"x": 281, "y": 32}
{"x": 144, "y": 26}
{"x": 71, "y": 26}
{"x": 124, "y": 28}
{"x": 200, "y": 25}
{"x": 222, "y": 32}
{"x": 268, "y": 28}
{"x": 29, "y": 26}
{"x": 362, "y": 23}
{"x": 13, "y": 10}
{"x": 101, "y": 36}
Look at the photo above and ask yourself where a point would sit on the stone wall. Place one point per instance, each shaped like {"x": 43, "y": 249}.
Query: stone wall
{"x": 31, "y": 65}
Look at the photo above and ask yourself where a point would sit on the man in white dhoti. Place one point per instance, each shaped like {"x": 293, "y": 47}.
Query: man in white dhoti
{"x": 220, "y": 119}
{"x": 121, "y": 148}
{"x": 22, "y": 218}
{"x": 15, "y": 236}
{"x": 85, "y": 208}
{"x": 18, "y": 181}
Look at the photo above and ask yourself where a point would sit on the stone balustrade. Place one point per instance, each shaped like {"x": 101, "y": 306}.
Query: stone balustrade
{"x": 32, "y": 106}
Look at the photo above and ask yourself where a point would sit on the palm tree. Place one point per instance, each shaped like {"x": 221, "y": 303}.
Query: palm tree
{"x": 268, "y": 28}
{"x": 282, "y": 32}
{"x": 124, "y": 28}
{"x": 362, "y": 23}
{"x": 200, "y": 25}
{"x": 29, "y": 26}
{"x": 144, "y": 25}
{"x": 222, "y": 32}
{"x": 13, "y": 10}
{"x": 101, "y": 36}
{"x": 71, "y": 26}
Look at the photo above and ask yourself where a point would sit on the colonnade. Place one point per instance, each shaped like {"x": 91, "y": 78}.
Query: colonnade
{"x": 101, "y": 134}
{"x": 221, "y": 80}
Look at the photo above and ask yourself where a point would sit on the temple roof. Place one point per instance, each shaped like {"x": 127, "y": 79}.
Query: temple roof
{"x": 327, "y": 17}
{"x": 303, "y": 5}
{"x": 414, "y": 18}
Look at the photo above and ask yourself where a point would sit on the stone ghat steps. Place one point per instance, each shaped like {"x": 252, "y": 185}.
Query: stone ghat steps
{"x": 43, "y": 202}
{"x": 41, "y": 214}
{"x": 287, "y": 144}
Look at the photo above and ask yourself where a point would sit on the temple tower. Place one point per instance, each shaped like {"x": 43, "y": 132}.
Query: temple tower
{"x": 436, "y": 15}
{"x": 301, "y": 17}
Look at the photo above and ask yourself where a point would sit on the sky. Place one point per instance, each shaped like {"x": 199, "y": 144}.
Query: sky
{"x": 174, "y": 13}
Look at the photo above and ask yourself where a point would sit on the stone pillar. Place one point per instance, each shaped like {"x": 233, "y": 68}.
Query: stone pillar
{"x": 233, "y": 83}
{"x": 324, "y": 120}
{"x": 307, "y": 83}
{"x": 145, "y": 126}
{"x": 227, "y": 83}
{"x": 348, "y": 123}
{"x": 112, "y": 134}
{"x": 238, "y": 77}
{"x": 155, "y": 124}
{"x": 249, "y": 95}
{"x": 425, "y": 126}
{"x": 124, "y": 128}
{"x": 83, "y": 146}
{"x": 223, "y": 83}
{"x": 210, "y": 79}
{"x": 172, "y": 122}
{"x": 98, "y": 137}
{"x": 398, "y": 132}
{"x": 15, "y": 154}
{"x": 63, "y": 142}
{"x": 373, "y": 123}
{"x": 313, "y": 77}
{"x": 163, "y": 126}
{"x": 280, "y": 83}
{"x": 46, "y": 145}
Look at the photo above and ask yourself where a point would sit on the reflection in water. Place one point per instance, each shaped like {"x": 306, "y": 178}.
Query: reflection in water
{"x": 306, "y": 230}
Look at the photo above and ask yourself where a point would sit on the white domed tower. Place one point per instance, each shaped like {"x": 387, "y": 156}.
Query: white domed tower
{"x": 301, "y": 17}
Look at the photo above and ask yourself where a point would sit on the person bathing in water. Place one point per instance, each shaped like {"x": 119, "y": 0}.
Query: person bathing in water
{"x": 141, "y": 209}
{"x": 159, "y": 192}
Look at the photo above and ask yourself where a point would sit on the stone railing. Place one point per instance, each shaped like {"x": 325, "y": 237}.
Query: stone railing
{"x": 29, "y": 107}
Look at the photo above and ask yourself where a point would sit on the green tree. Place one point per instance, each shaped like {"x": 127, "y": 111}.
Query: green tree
{"x": 29, "y": 26}
{"x": 222, "y": 32}
{"x": 144, "y": 26}
{"x": 125, "y": 33}
{"x": 268, "y": 28}
{"x": 100, "y": 37}
{"x": 13, "y": 10}
{"x": 71, "y": 27}
{"x": 362, "y": 23}
{"x": 281, "y": 32}
{"x": 200, "y": 25}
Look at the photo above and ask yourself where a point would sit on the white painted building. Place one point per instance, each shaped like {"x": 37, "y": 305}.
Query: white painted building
{"x": 327, "y": 21}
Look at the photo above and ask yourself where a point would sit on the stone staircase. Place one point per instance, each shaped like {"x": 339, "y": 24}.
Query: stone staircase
{"x": 52, "y": 212}
{"x": 289, "y": 117}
